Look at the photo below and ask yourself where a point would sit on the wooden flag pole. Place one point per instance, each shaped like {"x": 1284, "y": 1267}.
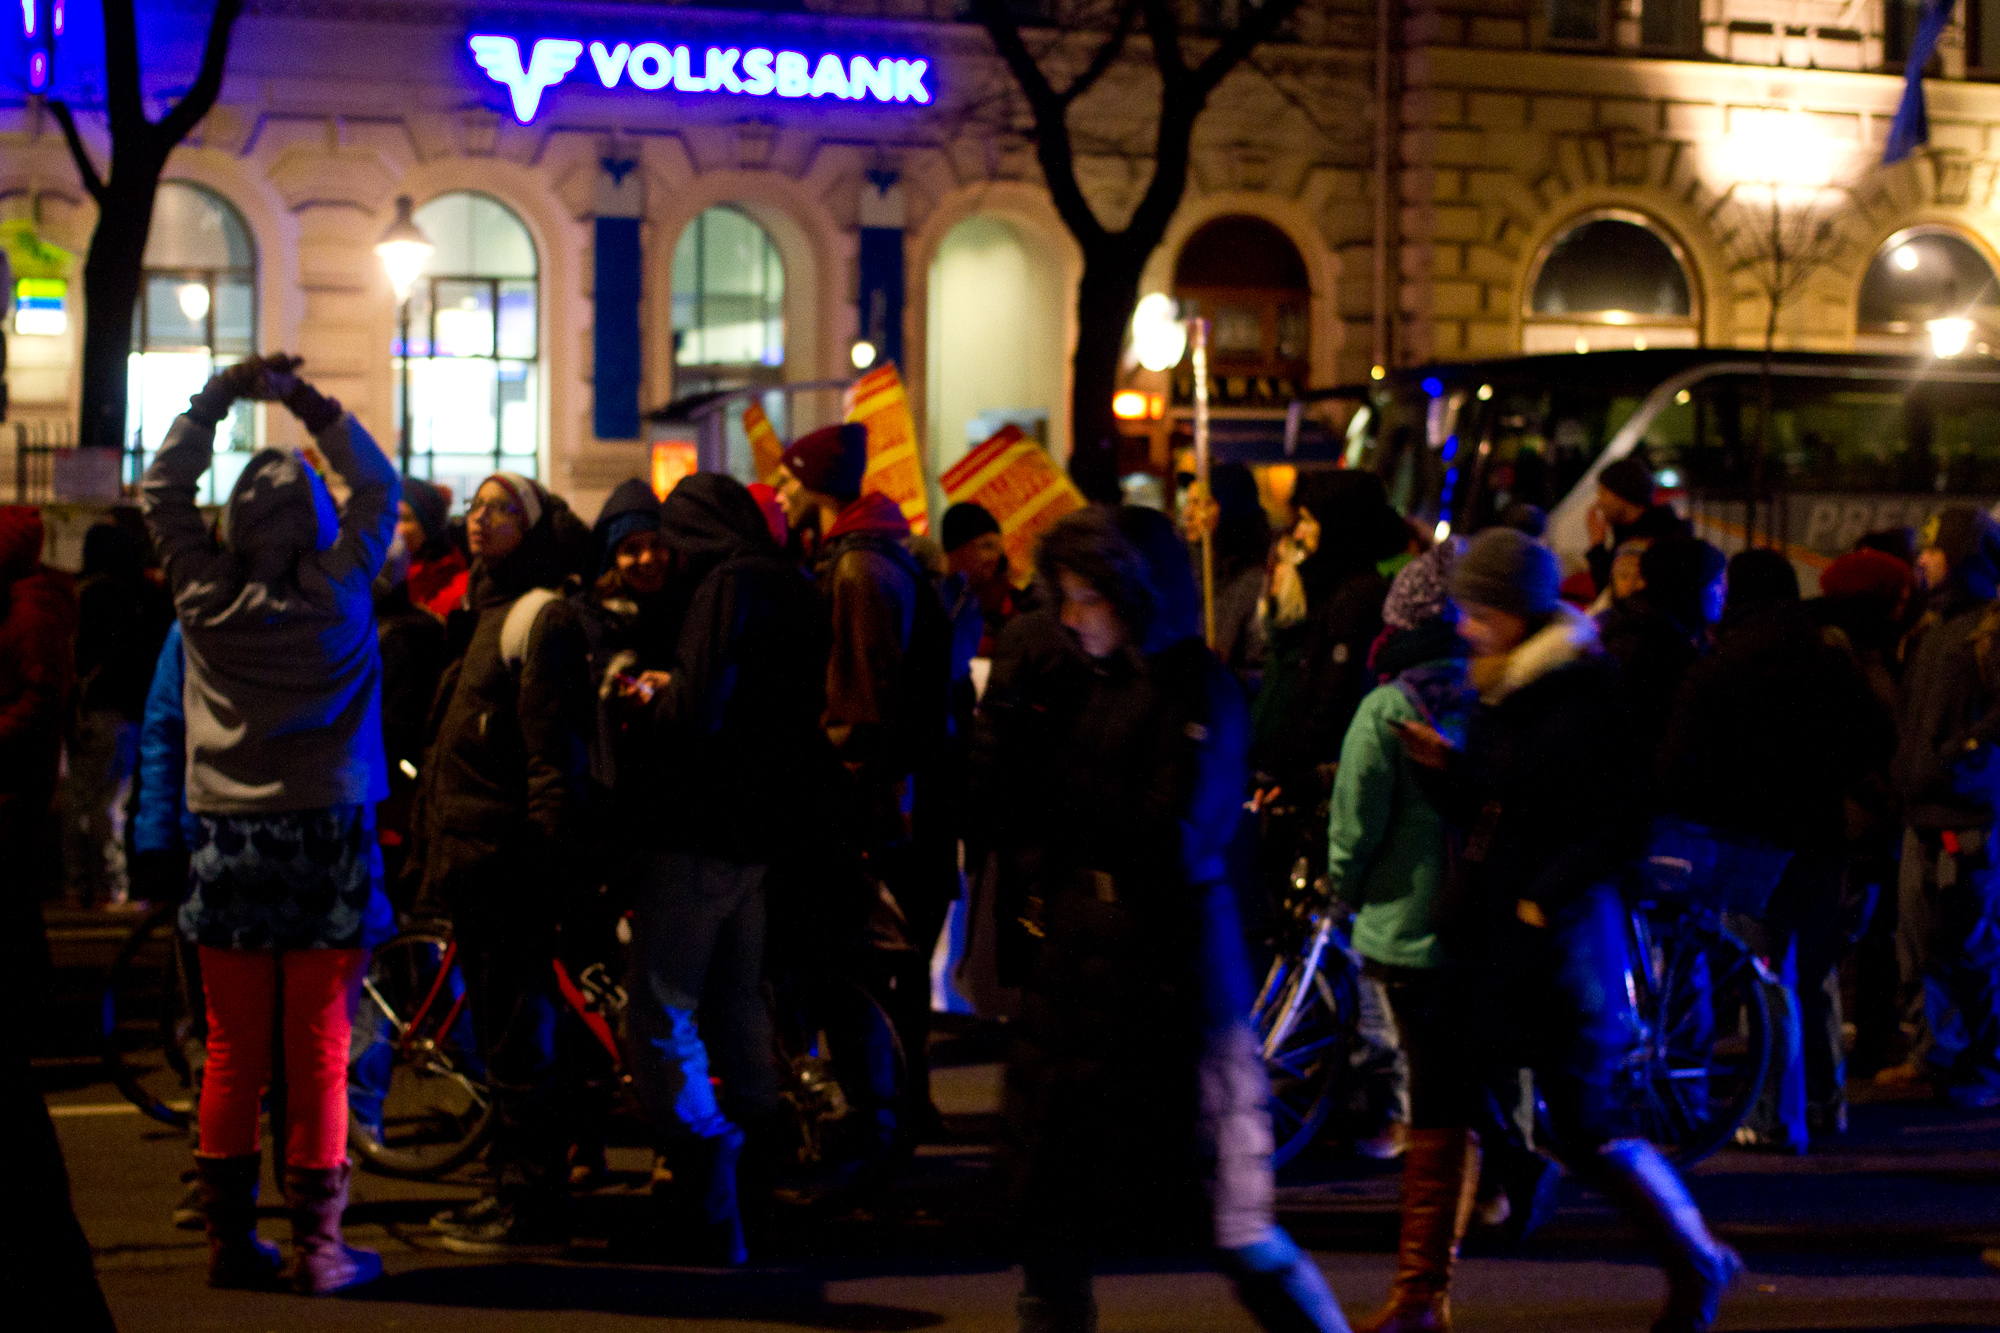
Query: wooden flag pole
{"x": 1198, "y": 329}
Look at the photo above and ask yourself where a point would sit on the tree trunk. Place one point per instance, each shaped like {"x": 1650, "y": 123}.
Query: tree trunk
{"x": 1104, "y": 301}
{"x": 112, "y": 269}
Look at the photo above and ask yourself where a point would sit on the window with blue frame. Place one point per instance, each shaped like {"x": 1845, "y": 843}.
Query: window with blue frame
{"x": 473, "y": 353}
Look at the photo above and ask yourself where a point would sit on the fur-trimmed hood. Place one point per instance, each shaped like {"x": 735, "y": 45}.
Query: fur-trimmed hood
{"x": 1569, "y": 636}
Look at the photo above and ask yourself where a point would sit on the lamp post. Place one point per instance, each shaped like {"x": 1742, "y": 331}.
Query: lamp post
{"x": 404, "y": 250}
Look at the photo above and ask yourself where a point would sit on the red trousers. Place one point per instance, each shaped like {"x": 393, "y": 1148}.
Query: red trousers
{"x": 242, "y": 987}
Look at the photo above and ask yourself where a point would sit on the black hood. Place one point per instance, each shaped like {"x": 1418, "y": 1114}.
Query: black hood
{"x": 711, "y": 517}
{"x": 1357, "y": 527}
{"x": 1970, "y": 542}
{"x": 1170, "y": 588}
{"x": 631, "y": 508}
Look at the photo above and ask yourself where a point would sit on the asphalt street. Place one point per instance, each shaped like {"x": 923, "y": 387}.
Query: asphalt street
{"x": 1882, "y": 1231}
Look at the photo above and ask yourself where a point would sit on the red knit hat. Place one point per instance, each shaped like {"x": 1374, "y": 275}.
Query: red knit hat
{"x": 830, "y": 460}
{"x": 1865, "y": 573}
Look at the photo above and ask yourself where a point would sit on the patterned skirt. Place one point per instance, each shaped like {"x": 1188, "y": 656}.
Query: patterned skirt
{"x": 297, "y": 879}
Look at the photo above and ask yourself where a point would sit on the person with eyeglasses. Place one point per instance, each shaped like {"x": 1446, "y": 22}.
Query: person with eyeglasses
{"x": 499, "y": 840}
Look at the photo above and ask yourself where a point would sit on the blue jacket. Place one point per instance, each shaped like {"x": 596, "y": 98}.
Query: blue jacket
{"x": 162, "y": 822}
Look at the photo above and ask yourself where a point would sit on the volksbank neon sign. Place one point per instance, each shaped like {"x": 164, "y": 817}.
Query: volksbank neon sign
{"x": 653, "y": 66}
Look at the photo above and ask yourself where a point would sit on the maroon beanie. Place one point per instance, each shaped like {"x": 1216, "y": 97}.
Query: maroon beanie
{"x": 830, "y": 460}
{"x": 1869, "y": 574}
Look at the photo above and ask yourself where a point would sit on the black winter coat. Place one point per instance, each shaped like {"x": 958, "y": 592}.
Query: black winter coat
{"x": 725, "y": 757}
{"x": 1772, "y": 731}
{"x": 1146, "y": 788}
{"x": 1946, "y": 769}
{"x": 503, "y": 796}
{"x": 1545, "y": 787}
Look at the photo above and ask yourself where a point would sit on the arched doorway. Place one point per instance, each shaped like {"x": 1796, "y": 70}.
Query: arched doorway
{"x": 197, "y": 312}
{"x": 1245, "y": 275}
{"x": 995, "y": 344}
{"x": 1610, "y": 279}
{"x": 475, "y": 346}
{"x": 1928, "y": 289}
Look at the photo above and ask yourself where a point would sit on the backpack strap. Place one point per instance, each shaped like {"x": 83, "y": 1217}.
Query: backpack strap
{"x": 520, "y": 621}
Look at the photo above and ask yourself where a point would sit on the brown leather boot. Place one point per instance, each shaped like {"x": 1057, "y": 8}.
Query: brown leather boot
{"x": 228, "y": 1189}
{"x": 322, "y": 1260}
{"x": 1440, "y": 1183}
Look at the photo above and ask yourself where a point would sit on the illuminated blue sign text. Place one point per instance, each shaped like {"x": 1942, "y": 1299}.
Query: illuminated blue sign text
{"x": 653, "y": 66}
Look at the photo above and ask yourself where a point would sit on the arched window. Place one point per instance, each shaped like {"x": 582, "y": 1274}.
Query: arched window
{"x": 197, "y": 312}
{"x": 729, "y": 318}
{"x": 729, "y": 304}
{"x": 1247, "y": 277}
{"x": 1609, "y": 280}
{"x": 474, "y": 347}
{"x": 1920, "y": 275}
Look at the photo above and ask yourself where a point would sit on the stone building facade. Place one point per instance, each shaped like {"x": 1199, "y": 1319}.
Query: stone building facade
{"x": 921, "y": 225}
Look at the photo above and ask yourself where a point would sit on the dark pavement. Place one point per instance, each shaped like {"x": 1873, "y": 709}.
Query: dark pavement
{"x": 1882, "y": 1232}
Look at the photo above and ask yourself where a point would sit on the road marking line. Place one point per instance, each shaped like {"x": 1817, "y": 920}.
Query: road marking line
{"x": 92, "y": 1108}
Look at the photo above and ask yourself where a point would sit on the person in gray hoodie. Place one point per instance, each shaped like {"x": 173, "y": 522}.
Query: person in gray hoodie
{"x": 284, "y": 768}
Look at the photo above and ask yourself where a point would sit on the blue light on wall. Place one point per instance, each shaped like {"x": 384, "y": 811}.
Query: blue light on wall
{"x": 655, "y": 67}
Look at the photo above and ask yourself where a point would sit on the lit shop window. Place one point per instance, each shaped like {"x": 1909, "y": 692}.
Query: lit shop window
{"x": 1610, "y": 280}
{"x": 474, "y": 346}
{"x": 729, "y": 303}
{"x": 197, "y": 312}
{"x": 1927, "y": 282}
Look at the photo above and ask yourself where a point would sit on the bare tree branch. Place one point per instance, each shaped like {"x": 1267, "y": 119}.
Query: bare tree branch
{"x": 85, "y": 168}
{"x": 174, "y": 126}
{"x": 1256, "y": 28}
{"x": 1106, "y": 55}
{"x": 1052, "y": 143}
{"x": 124, "y": 105}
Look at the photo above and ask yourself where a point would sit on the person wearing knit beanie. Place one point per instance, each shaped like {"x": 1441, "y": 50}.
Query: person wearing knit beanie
{"x": 1506, "y": 570}
{"x": 422, "y": 518}
{"x": 1870, "y": 576}
{"x": 1627, "y": 509}
{"x": 964, "y": 522}
{"x": 830, "y": 461}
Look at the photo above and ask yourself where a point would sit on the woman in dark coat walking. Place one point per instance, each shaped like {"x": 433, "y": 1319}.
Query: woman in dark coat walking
{"x": 1135, "y": 1078}
{"x": 1544, "y": 789}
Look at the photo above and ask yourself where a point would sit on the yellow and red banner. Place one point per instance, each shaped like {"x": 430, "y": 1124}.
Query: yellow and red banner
{"x": 765, "y": 446}
{"x": 895, "y": 465}
{"x": 1026, "y": 491}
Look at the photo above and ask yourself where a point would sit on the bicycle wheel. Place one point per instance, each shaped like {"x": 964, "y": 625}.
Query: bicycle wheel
{"x": 418, "y": 1104}
{"x": 1305, "y": 1028}
{"x": 1705, "y": 1034}
{"x": 149, "y": 1028}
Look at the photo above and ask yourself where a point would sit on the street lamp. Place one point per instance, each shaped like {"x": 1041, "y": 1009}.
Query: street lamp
{"x": 404, "y": 250}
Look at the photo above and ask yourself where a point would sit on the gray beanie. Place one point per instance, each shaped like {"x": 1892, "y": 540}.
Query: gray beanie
{"x": 1508, "y": 571}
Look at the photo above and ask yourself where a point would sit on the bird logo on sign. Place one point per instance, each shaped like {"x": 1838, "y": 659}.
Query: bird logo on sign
{"x": 549, "y": 63}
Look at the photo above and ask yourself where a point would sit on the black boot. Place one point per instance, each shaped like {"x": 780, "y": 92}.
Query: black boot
{"x": 1633, "y": 1175}
{"x": 1039, "y": 1314}
{"x": 703, "y": 1212}
{"x": 1282, "y": 1288}
{"x": 228, "y": 1189}
{"x": 322, "y": 1260}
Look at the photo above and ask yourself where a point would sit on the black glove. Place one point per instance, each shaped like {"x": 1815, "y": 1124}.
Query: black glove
{"x": 312, "y": 407}
{"x": 224, "y": 387}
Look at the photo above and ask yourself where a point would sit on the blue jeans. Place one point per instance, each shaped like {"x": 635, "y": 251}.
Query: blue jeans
{"x": 697, "y": 998}
{"x": 1949, "y": 937}
{"x": 1568, "y": 1012}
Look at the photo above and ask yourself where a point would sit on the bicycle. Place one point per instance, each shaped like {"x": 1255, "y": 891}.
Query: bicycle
{"x": 419, "y": 1105}
{"x": 1699, "y": 1000}
{"x": 151, "y": 1025}
{"x": 1305, "y": 1016}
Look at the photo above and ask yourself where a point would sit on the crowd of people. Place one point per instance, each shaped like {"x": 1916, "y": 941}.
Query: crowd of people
{"x": 750, "y": 734}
